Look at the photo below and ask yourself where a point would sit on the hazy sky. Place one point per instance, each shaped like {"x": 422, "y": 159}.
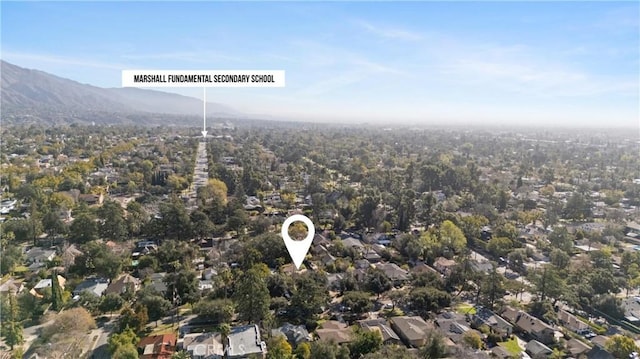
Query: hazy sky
{"x": 572, "y": 63}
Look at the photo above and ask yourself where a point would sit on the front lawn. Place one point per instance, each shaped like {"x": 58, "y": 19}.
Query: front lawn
{"x": 512, "y": 346}
{"x": 465, "y": 308}
{"x": 388, "y": 313}
{"x": 162, "y": 329}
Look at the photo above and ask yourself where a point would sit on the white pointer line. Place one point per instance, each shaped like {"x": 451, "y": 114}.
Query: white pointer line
{"x": 204, "y": 112}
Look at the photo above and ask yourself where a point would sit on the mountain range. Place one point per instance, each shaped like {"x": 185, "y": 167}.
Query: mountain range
{"x": 33, "y": 96}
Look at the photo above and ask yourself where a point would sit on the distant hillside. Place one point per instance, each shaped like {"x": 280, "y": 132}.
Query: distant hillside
{"x": 36, "y": 96}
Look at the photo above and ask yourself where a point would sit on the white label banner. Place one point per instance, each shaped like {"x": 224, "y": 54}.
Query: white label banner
{"x": 203, "y": 78}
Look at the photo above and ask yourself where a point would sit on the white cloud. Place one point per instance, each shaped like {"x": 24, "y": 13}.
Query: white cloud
{"x": 336, "y": 67}
{"x": 529, "y": 71}
{"x": 388, "y": 32}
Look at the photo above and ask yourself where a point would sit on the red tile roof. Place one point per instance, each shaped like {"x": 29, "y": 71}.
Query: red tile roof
{"x": 158, "y": 346}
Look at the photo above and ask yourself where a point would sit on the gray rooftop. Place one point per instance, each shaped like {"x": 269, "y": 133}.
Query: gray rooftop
{"x": 245, "y": 340}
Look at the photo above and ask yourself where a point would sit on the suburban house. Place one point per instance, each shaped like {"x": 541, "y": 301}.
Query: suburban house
{"x": 530, "y": 325}
{"x": 632, "y": 229}
{"x": 69, "y": 255}
{"x": 334, "y": 331}
{"x": 38, "y": 289}
{"x": 501, "y": 353}
{"x": 571, "y": 322}
{"x": 576, "y": 347}
{"x": 295, "y": 334}
{"x": 202, "y": 345}
{"x": 444, "y": 265}
{"x": 422, "y": 267}
{"x": 244, "y": 341}
{"x": 453, "y": 326}
{"x": 95, "y": 286}
{"x": 371, "y": 255}
{"x": 537, "y": 350}
{"x": 412, "y": 330}
{"x": 598, "y": 352}
{"x": 351, "y": 242}
{"x": 157, "y": 346}
{"x": 12, "y": 286}
{"x": 397, "y": 275}
{"x": 38, "y": 257}
{"x": 157, "y": 282}
{"x": 381, "y": 326}
{"x": 125, "y": 283}
{"x": 497, "y": 324}
{"x": 91, "y": 199}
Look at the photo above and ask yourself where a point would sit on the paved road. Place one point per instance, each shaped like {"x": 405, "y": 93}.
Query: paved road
{"x": 31, "y": 334}
{"x": 99, "y": 346}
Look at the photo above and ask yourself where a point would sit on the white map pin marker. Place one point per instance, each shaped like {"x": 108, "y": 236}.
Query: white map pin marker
{"x": 298, "y": 249}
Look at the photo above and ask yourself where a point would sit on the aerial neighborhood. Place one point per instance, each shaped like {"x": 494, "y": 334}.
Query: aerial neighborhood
{"x": 128, "y": 242}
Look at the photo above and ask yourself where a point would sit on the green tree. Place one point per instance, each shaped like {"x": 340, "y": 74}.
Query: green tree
{"x": 202, "y": 225}
{"x": 11, "y": 256}
{"x": 499, "y": 246}
{"x": 549, "y": 284}
{"x": 378, "y": 282}
{"x": 217, "y": 311}
{"x": 182, "y": 286}
{"x": 88, "y": 301}
{"x": 472, "y": 339}
{"x": 84, "y": 228}
{"x": 578, "y": 207}
{"x": 452, "y": 237}
{"x": 56, "y": 293}
{"x": 113, "y": 225}
{"x": 435, "y": 347}
{"x": 177, "y": 183}
{"x": 126, "y": 337}
{"x": 157, "y": 306}
{"x": 303, "y": 351}
{"x": 366, "y": 211}
{"x": 278, "y": 348}
{"x": 135, "y": 319}
{"x": 98, "y": 259}
{"x": 365, "y": 342}
{"x": 125, "y": 352}
{"x": 620, "y": 346}
{"x": 174, "y": 222}
{"x": 181, "y": 354}
{"x": 52, "y": 224}
{"x": 11, "y": 326}
{"x": 491, "y": 289}
{"x": 560, "y": 238}
{"x": 328, "y": 350}
{"x": 310, "y": 295}
{"x": 471, "y": 226}
{"x": 136, "y": 218}
{"x": 426, "y": 299}
{"x": 507, "y": 230}
{"x": 110, "y": 303}
{"x": 358, "y": 302}
{"x": 252, "y": 296}
{"x": 237, "y": 220}
{"x": 559, "y": 258}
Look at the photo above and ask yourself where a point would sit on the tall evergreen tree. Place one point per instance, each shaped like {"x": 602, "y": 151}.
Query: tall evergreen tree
{"x": 12, "y": 328}
{"x": 56, "y": 292}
